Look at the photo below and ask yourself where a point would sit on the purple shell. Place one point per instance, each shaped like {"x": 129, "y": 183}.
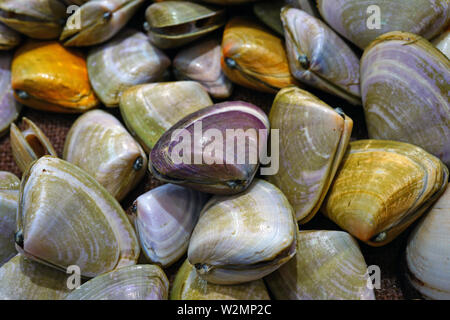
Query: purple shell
{"x": 194, "y": 151}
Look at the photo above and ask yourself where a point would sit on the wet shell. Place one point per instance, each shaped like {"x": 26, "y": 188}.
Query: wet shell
{"x": 39, "y": 19}
{"x": 140, "y": 282}
{"x": 100, "y": 145}
{"x": 149, "y": 110}
{"x": 9, "y": 38}
{"x": 98, "y": 21}
{"x": 318, "y": 57}
{"x": 9, "y": 202}
{"x": 29, "y": 145}
{"x": 23, "y": 279}
{"x": 67, "y": 218}
{"x": 172, "y": 24}
{"x": 127, "y": 60}
{"x": 254, "y": 57}
{"x": 164, "y": 219}
{"x": 42, "y": 84}
{"x": 428, "y": 252}
{"x": 243, "y": 237}
{"x": 405, "y": 89}
{"x": 189, "y": 286}
{"x": 201, "y": 62}
{"x": 9, "y": 108}
{"x": 328, "y": 266}
{"x": 195, "y": 152}
{"x": 313, "y": 140}
{"x": 356, "y": 19}
{"x": 269, "y": 13}
{"x": 382, "y": 187}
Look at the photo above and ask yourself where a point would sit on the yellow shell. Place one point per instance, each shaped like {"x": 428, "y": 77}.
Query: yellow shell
{"x": 254, "y": 57}
{"x": 382, "y": 187}
{"x": 189, "y": 286}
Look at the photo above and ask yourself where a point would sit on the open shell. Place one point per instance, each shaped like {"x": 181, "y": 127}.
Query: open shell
{"x": 9, "y": 107}
{"x": 356, "y": 19}
{"x": 40, "y": 83}
{"x": 23, "y": 279}
{"x": 140, "y": 282}
{"x": 318, "y": 57}
{"x": 149, "y": 110}
{"x": 207, "y": 140}
{"x": 98, "y": 21}
{"x": 29, "y": 145}
{"x": 244, "y": 237}
{"x": 428, "y": 252}
{"x": 172, "y": 24}
{"x": 127, "y": 60}
{"x": 66, "y": 217}
{"x": 201, "y": 62}
{"x": 164, "y": 219}
{"x": 328, "y": 265}
{"x": 188, "y": 285}
{"x": 39, "y": 19}
{"x": 382, "y": 187}
{"x": 405, "y": 90}
{"x": 9, "y": 202}
{"x": 313, "y": 140}
{"x": 254, "y": 57}
{"x": 99, "y": 144}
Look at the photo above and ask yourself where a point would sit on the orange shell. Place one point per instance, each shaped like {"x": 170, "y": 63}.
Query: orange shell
{"x": 259, "y": 54}
{"x": 54, "y": 77}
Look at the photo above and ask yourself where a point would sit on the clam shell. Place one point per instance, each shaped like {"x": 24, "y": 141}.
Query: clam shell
{"x": 350, "y": 17}
{"x": 443, "y": 43}
{"x": 210, "y": 163}
{"x": 201, "y": 62}
{"x": 428, "y": 252}
{"x": 39, "y": 19}
{"x": 382, "y": 187}
{"x": 140, "y": 282}
{"x": 172, "y": 24}
{"x": 29, "y": 145}
{"x": 100, "y": 145}
{"x": 42, "y": 84}
{"x": 244, "y": 237}
{"x": 405, "y": 91}
{"x": 66, "y": 217}
{"x": 253, "y": 57}
{"x": 9, "y": 201}
{"x": 318, "y": 57}
{"x": 164, "y": 218}
{"x": 9, "y": 38}
{"x": 23, "y": 279}
{"x": 313, "y": 140}
{"x": 328, "y": 265}
{"x": 269, "y": 13}
{"x": 9, "y": 108}
{"x": 127, "y": 60}
{"x": 149, "y": 110}
{"x": 98, "y": 21}
{"x": 189, "y": 286}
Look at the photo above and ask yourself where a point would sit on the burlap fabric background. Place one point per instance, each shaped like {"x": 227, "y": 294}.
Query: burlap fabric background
{"x": 389, "y": 258}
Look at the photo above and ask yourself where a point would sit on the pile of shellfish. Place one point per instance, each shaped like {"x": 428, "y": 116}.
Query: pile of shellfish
{"x": 143, "y": 74}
